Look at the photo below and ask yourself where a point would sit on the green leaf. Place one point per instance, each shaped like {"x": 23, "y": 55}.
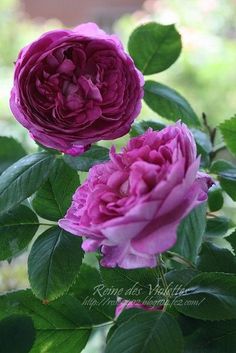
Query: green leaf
{"x": 54, "y": 263}
{"x": 10, "y": 151}
{"x": 222, "y": 166}
{"x": 229, "y": 186}
{"x": 204, "y": 146}
{"x": 209, "y": 296}
{"x": 17, "y": 228}
{"x": 168, "y": 103}
{"x": 215, "y": 198}
{"x": 90, "y": 290}
{"x": 214, "y": 259}
{"x": 227, "y": 176}
{"x": 54, "y": 197}
{"x": 124, "y": 316}
{"x": 154, "y": 47}
{"x": 213, "y": 337}
{"x": 190, "y": 233}
{"x": 17, "y": 334}
{"x": 140, "y": 128}
{"x": 188, "y": 324}
{"x": 228, "y": 130}
{"x": 232, "y": 240}
{"x": 180, "y": 277}
{"x": 23, "y": 178}
{"x": 95, "y": 155}
{"x": 62, "y": 326}
{"x": 147, "y": 332}
{"x": 137, "y": 284}
{"x": 203, "y": 141}
{"x": 217, "y": 226}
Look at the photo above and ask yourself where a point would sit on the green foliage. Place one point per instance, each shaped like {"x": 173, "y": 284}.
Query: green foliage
{"x": 23, "y": 178}
{"x": 95, "y": 155}
{"x": 140, "y": 128}
{"x": 181, "y": 277}
{"x": 132, "y": 284}
{"x": 228, "y": 130}
{"x": 226, "y": 172}
{"x": 17, "y": 228}
{"x": 10, "y": 151}
{"x": 190, "y": 234}
{"x": 194, "y": 284}
{"x": 168, "y": 103}
{"x": 215, "y": 198}
{"x": 54, "y": 197}
{"x": 147, "y": 333}
{"x": 216, "y": 227}
{"x": 17, "y": 334}
{"x": 217, "y": 337}
{"x": 204, "y": 146}
{"x": 54, "y": 262}
{"x": 209, "y": 296}
{"x": 232, "y": 240}
{"x": 90, "y": 290}
{"x": 214, "y": 259}
{"x": 154, "y": 47}
{"x": 60, "y": 326}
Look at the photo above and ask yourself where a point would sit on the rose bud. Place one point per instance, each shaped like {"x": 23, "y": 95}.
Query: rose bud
{"x": 76, "y": 87}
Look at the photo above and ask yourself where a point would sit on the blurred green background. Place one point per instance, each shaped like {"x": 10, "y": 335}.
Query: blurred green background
{"x": 205, "y": 73}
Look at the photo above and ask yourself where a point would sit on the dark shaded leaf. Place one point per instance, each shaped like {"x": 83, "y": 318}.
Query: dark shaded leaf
{"x": 147, "y": 332}
{"x": 10, "y": 151}
{"x": 54, "y": 263}
{"x": 17, "y": 228}
{"x": 17, "y": 334}
{"x": 137, "y": 284}
{"x": 95, "y": 155}
{"x": 215, "y": 198}
{"x": 23, "y": 178}
{"x": 209, "y": 296}
{"x": 214, "y": 259}
{"x": 90, "y": 290}
{"x": 62, "y": 326}
{"x": 214, "y": 337}
{"x": 54, "y": 197}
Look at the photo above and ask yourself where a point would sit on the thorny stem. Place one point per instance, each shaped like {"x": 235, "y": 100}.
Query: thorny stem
{"x": 212, "y": 132}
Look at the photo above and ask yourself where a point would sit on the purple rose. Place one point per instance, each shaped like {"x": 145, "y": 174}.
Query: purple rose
{"x": 132, "y": 205}
{"x": 76, "y": 87}
{"x": 126, "y": 304}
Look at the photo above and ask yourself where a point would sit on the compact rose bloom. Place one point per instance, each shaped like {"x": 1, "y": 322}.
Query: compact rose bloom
{"x": 132, "y": 205}
{"x": 76, "y": 87}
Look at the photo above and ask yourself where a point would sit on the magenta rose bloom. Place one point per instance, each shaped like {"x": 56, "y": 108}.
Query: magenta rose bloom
{"x": 126, "y": 304}
{"x": 132, "y": 205}
{"x": 76, "y": 87}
